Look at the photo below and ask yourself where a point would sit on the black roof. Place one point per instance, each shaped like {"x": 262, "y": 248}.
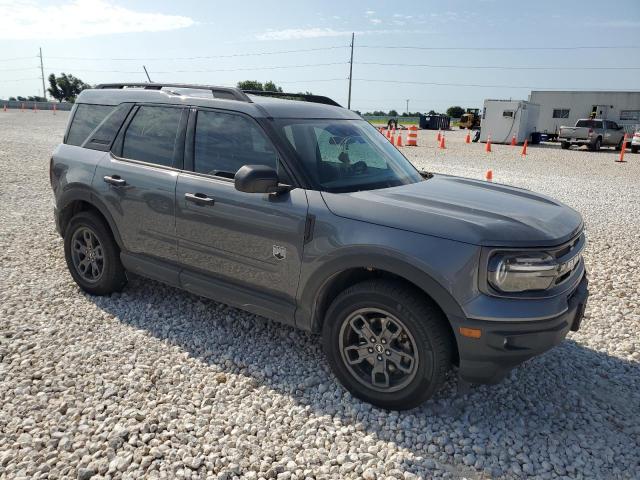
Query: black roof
{"x": 255, "y": 103}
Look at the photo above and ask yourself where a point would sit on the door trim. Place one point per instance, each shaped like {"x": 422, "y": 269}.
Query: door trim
{"x": 207, "y": 286}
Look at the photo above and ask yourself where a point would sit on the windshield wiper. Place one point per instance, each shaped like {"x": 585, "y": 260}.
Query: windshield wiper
{"x": 425, "y": 175}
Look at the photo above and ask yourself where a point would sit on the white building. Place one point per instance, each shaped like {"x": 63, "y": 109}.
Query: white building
{"x": 547, "y": 111}
{"x": 565, "y": 108}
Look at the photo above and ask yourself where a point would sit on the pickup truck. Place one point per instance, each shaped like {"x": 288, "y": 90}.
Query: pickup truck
{"x": 593, "y": 133}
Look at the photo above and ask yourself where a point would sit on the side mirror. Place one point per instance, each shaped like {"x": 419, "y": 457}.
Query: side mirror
{"x": 258, "y": 179}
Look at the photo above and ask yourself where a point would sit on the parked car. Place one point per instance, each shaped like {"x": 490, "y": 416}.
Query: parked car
{"x": 594, "y": 133}
{"x": 302, "y": 212}
{"x": 634, "y": 143}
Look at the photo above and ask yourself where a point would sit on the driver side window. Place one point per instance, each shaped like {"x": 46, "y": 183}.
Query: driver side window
{"x": 224, "y": 142}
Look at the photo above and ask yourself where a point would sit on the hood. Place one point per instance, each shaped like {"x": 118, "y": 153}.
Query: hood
{"x": 465, "y": 210}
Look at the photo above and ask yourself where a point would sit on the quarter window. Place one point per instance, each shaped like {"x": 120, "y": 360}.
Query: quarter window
{"x": 152, "y": 134}
{"x": 85, "y": 120}
{"x": 560, "y": 113}
{"x": 225, "y": 142}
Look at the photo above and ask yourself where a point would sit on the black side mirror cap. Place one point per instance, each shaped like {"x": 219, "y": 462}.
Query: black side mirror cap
{"x": 258, "y": 179}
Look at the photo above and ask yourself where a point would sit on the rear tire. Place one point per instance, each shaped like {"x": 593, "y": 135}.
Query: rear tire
{"x": 565, "y": 145}
{"x": 595, "y": 147}
{"x": 387, "y": 344}
{"x": 92, "y": 255}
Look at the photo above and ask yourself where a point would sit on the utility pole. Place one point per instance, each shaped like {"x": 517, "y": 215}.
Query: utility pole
{"x": 353, "y": 36}
{"x": 407, "y": 106}
{"x": 44, "y": 90}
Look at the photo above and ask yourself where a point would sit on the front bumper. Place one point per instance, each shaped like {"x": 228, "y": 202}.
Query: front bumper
{"x": 503, "y": 345}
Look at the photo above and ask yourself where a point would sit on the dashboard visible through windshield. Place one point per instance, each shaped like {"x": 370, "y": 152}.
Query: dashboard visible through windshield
{"x": 347, "y": 155}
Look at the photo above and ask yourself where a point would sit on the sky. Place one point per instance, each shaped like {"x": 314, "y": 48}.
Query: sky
{"x": 434, "y": 54}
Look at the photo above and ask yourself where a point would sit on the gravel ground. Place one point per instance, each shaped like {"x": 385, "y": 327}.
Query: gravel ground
{"x": 158, "y": 383}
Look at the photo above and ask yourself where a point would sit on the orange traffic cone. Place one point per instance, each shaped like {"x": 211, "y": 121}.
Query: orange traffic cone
{"x": 22, "y": 107}
{"x": 388, "y": 132}
{"x": 5, "y": 107}
{"x": 392, "y": 138}
{"x": 488, "y": 176}
{"x": 487, "y": 148}
{"x": 399, "y": 140}
{"x": 35, "y": 109}
{"x": 513, "y": 141}
{"x": 624, "y": 147}
{"x": 438, "y": 137}
{"x": 524, "y": 147}
{"x": 467, "y": 139}
{"x": 54, "y": 108}
{"x": 442, "y": 142}
{"x": 412, "y": 137}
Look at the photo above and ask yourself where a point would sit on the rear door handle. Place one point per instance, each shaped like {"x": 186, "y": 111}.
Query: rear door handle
{"x": 114, "y": 180}
{"x": 199, "y": 198}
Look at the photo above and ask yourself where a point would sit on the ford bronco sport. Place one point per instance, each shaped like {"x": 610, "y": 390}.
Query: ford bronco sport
{"x": 300, "y": 211}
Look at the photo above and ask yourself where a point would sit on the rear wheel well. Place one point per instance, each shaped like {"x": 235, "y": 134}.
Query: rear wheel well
{"x": 75, "y": 207}
{"x": 343, "y": 280}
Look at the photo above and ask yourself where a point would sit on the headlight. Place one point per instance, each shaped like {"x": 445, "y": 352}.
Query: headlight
{"x": 521, "y": 271}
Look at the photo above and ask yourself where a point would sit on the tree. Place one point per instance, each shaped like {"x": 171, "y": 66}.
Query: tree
{"x": 250, "y": 85}
{"x": 393, "y": 113}
{"x": 256, "y": 85}
{"x": 12, "y": 99}
{"x": 432, "y": 112}
{"x": 36, "y": 98}
{"x": 65, "y": 87}
{"x": 455, "y": 112}
{"x": 21, "y": 99}
{"x": 272, "y": 87}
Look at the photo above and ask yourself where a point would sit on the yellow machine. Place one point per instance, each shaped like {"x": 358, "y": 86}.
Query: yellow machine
{"x": 471, "y": 119}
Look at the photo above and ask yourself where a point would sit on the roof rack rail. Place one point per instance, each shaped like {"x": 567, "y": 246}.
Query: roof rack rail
{"x": 225, "y": 93}
{"x": 293, "y": 96}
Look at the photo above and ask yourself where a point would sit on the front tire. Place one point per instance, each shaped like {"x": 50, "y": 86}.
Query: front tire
{"x": 634, "y": 149}
{"x": 565, "y": 145}
{"x": 387, "y": 344}
{"x": 92, "y": 255}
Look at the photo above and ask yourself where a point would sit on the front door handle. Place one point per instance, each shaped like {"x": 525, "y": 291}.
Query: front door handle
{"x": 115, "y": 180}
{"x": 199, "y": 198}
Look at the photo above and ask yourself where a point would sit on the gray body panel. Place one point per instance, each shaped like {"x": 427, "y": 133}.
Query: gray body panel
{"x": 464, "y": 210}
{"x": 143, "y": 208}
{"x": 234, "y": 238}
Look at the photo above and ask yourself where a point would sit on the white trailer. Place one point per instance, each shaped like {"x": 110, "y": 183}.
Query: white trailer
{"x": 558, "y": 108}
{"x": 504, "y": 119}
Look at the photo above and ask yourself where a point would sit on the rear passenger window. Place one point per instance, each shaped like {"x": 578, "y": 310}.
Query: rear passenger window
{"x": 152, "y": 134}
{"x": 85, "y": 120}
{"x": 225, "y": 142}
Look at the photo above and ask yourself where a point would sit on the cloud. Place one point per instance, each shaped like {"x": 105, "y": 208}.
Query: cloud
{"x": 376, "y": 21}
{"x": 26, "y": 19}
{"x": 368, "y": 13}
{"x": 301, "y": 33}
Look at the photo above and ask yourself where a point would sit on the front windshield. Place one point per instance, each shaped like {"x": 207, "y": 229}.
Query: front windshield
{"x": 347, "y": 155}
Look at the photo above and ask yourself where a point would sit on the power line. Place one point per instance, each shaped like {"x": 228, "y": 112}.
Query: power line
{"x": 240, "y": 69}
{"x": 525, "y": 87}
{"x": 204, "y": 57}
{"x": 496, "y": 67}
{"x": 17, "y": 58}
{"x": 405, "y": 47}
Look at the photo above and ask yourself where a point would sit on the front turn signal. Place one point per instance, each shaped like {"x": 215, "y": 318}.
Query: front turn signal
{"x": 470, "y": 332}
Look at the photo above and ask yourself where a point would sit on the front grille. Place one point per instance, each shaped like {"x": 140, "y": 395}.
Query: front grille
{"x": 569, "y": 256}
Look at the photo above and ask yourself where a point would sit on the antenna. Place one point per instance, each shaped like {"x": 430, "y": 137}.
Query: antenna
{"x": 147, "y": 73}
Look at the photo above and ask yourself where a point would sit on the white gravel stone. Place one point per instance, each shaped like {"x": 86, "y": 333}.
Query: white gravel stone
{"x": 157, "y": 383}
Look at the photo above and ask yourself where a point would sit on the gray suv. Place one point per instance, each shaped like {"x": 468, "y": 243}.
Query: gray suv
{"x": 296, "y": 209}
